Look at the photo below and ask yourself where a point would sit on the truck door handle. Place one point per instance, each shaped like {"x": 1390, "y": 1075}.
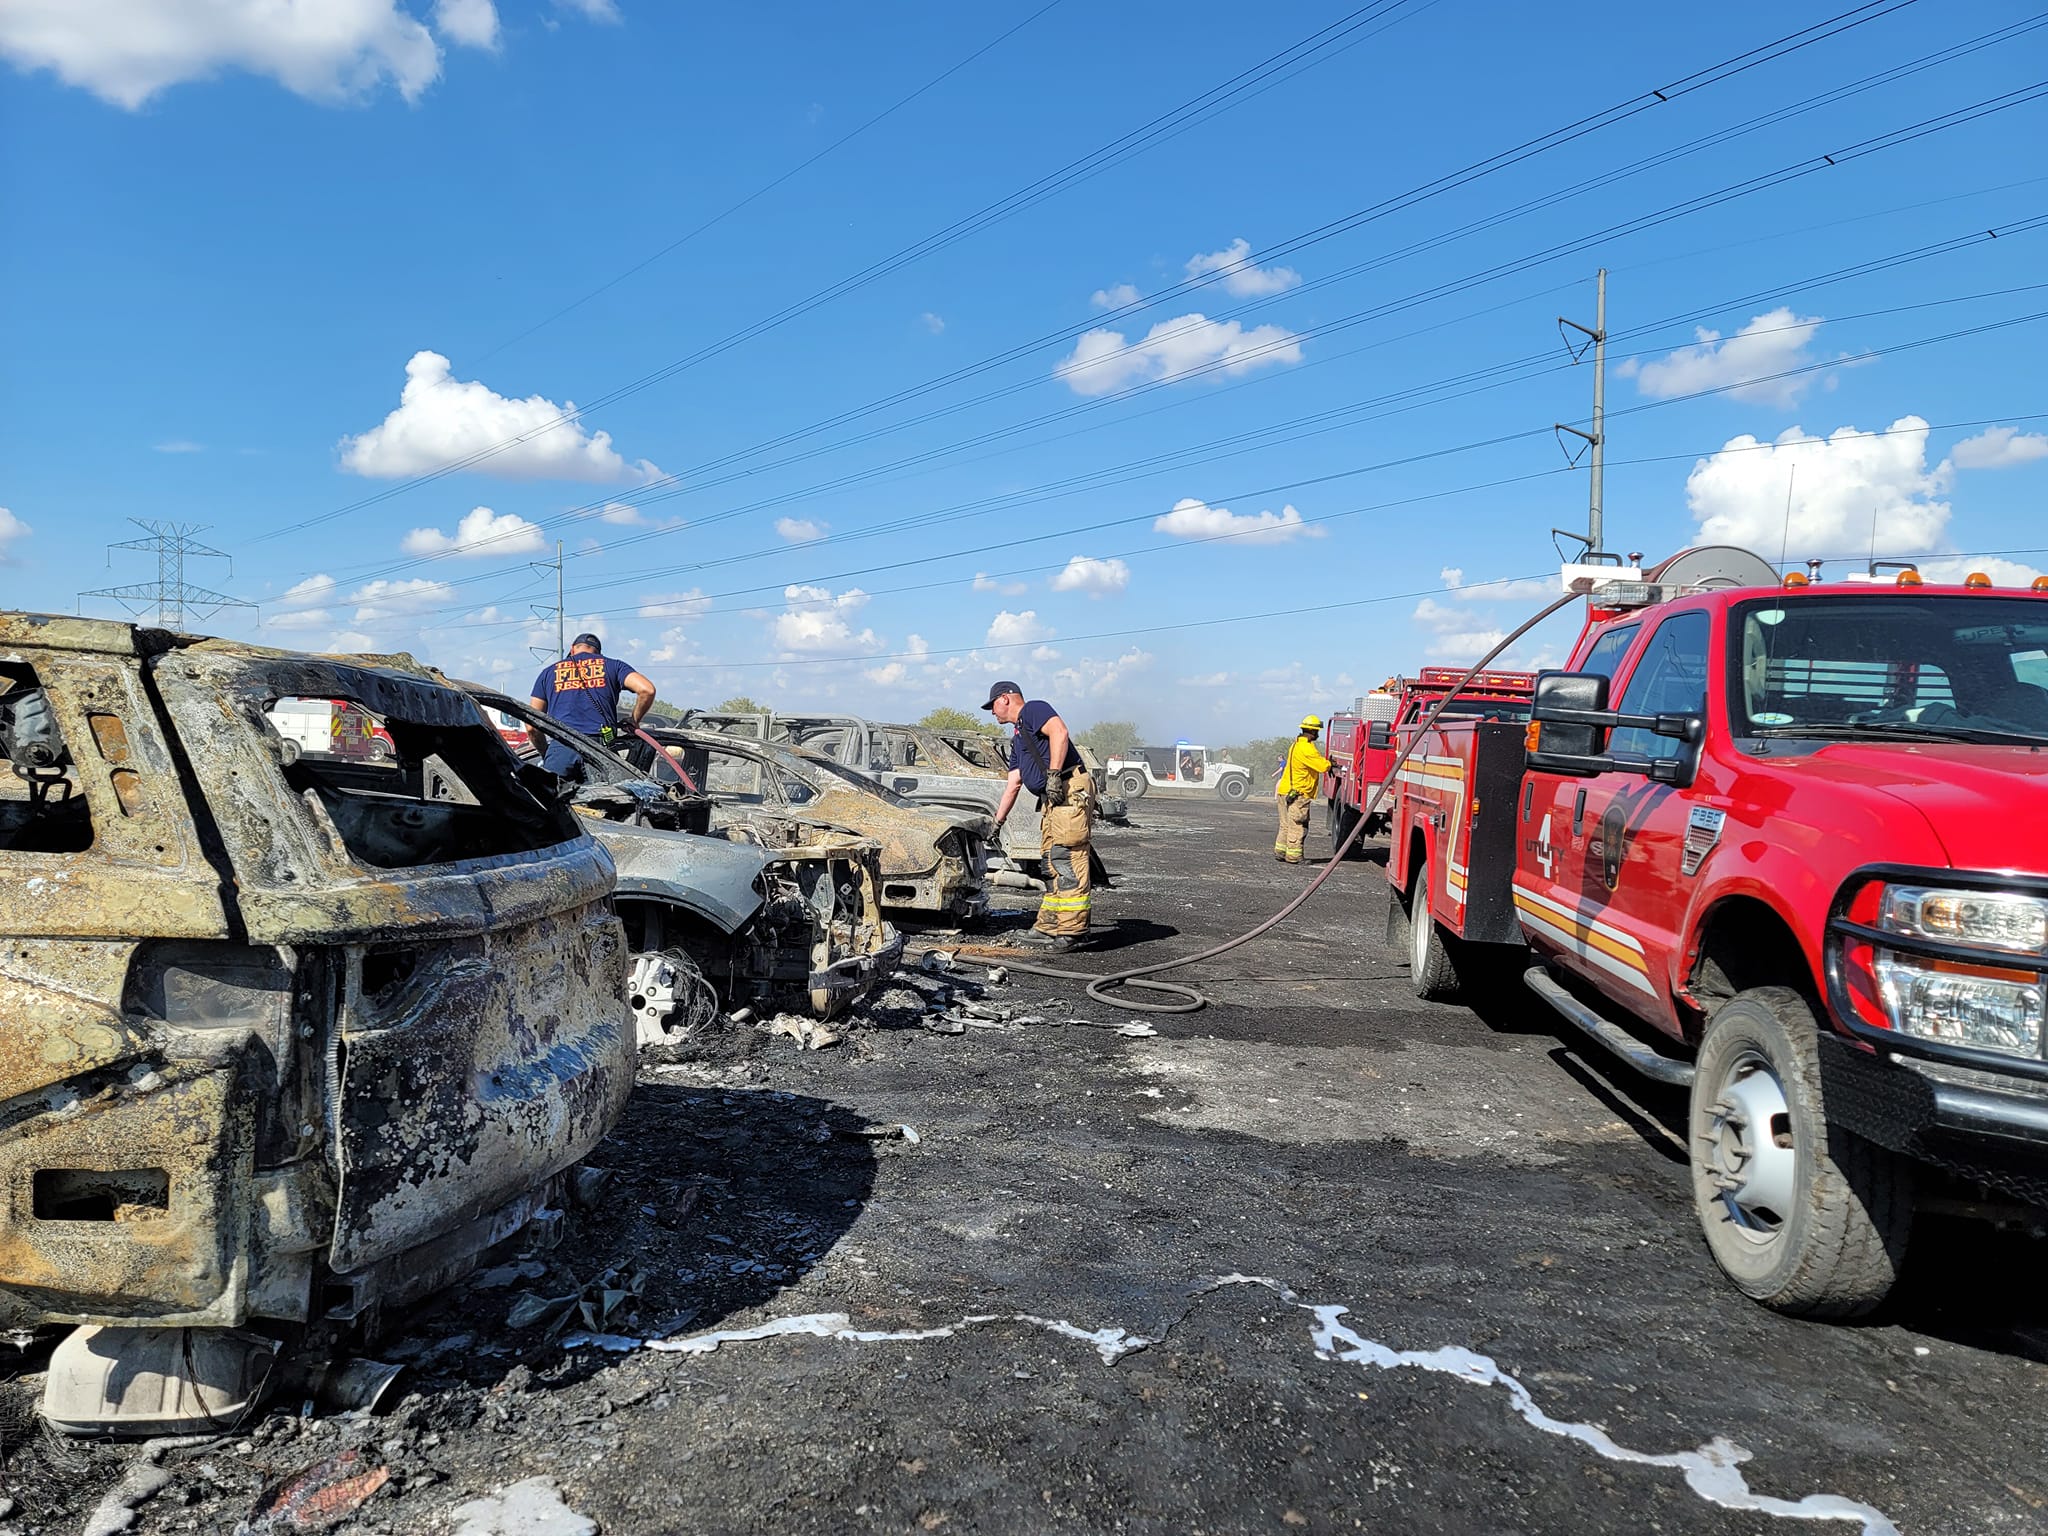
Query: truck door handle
{"x": 1578, "y": 813}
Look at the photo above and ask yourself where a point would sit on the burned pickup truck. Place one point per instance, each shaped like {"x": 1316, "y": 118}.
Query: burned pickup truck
{"x": 287, "y": 1038}
{"x": 775, "y": 913}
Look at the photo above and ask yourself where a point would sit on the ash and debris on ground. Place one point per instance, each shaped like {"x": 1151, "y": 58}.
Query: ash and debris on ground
{"x": 927, "y": 1228}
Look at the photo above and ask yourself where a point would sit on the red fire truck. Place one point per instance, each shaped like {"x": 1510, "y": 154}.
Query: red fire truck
{"x": 1359, "y": 742}
{"x": 1785, "y": 845}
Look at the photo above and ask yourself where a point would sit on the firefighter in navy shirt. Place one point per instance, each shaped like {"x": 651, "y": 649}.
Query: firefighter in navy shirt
{"x": 582, "y": 691}
{"x": 1043, "y": 761}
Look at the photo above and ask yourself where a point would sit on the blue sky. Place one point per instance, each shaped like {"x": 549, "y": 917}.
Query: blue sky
{"x": 248, "y": 229}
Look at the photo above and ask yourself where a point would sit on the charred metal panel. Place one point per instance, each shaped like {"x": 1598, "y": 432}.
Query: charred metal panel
{"x": 78, "y": 1249}
{"x": 716, "y": 879}
{"x": 472, "y": 1071}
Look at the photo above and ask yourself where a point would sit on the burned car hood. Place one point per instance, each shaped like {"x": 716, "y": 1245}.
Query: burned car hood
{"x": 712, "y": 876}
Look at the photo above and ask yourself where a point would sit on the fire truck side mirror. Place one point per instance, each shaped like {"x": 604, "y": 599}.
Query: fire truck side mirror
{"x": 1379, "y": 736}
{"x": 1562, "y": 739}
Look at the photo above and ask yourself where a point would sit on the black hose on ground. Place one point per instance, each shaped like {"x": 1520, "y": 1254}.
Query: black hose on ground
{"x": 1192, "y": 1000}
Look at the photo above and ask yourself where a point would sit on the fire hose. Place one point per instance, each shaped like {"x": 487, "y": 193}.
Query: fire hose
{"x": 1189, "y": 999}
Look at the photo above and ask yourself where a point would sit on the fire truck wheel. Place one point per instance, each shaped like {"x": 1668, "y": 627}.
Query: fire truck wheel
{"x": 1234, "y": 786}
{"x": 1340, "y": 818}
{"x": 1803, "y": 1216}
{"x": 1432, "y": 968}
{"x": 1131, "y": 784}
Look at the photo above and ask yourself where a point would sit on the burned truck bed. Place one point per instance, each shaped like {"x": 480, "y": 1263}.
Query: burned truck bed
{"x": 286, "y": 1039}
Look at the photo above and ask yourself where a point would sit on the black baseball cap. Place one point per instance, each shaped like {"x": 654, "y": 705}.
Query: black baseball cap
{"x": 587, "y": 639}
{"x": 998, "y": 691}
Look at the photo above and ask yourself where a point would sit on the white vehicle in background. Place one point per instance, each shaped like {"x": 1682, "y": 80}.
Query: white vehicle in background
{"x": 1181, "y": 769}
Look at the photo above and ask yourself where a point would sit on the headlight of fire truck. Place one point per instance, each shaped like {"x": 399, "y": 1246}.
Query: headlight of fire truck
{"x": 1968, "y": 970}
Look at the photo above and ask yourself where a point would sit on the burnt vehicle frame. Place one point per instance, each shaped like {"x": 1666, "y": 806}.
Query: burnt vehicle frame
{"x": 290, "y": 1039}
{"x": 934, "y": 858}
{"x": 771, "y": 915}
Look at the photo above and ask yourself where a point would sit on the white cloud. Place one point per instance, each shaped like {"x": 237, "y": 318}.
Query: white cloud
{"x": 800, "y": 530}
{"x": 934, "y": 323}
{"x": 1953, "y": 568}
{"x": 983, "y": 582}
{"x": 1247, "y": 280}
{"x": 1098, "y": 578}
{"x": 1455, "y": 634}
{"x": 886, "y": 676}
{"x": 1008, "y": 628}
{"x": 1999, "y": 448}
{"x": 675, "y": 646}
{"x": 441, "y": 420}
{"x": 384, "y": 599}
{"x": 481, "y": 532}
{"x": 1846, "y": 489}
{"x": 817, "y": 620}
{"x": 1529, "y": 589}
{"x": 622, "y": 513}
{"x": 179, "y": 445}
{"x": 595, "y": 10}
{"x": 349, "y": 642}
{"x": 126, "y": 51}
{"x": 1204, "y": 680}
{"x": 1105, "y": 360}
{"x": 1095, "y": 677}
{"x": 472, "y": 23}
{"x": 303, "y": 605}
{"x": 1195, "y": 519}
{"x": 689, "y": 605}
{"x": 1771, "y": 343}
{"x": 1045, "y": 653}
{"x": 11, "y": 528}
{"x": 1115, "y": 297}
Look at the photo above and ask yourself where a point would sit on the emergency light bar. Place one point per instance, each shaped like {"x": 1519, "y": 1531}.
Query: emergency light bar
{"x": 1445, "y": 677}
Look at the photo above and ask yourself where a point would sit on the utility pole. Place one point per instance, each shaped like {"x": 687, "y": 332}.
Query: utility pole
{"x": 170, "y": 598}
{"x": 560, "y": 610}
{"x": 1596, "y": 439}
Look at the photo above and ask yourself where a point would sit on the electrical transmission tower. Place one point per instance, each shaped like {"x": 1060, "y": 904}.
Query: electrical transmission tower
{"x": 559, "y": 613}
{"x": 169, "y": 598}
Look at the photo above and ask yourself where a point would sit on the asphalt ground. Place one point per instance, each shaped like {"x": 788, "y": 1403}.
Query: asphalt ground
{"x": 1318, "y": 1258}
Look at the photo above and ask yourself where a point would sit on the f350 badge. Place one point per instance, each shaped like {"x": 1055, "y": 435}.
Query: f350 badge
{"x": 1702, "y": 831}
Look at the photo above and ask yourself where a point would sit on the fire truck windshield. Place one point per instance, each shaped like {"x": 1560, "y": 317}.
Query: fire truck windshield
{"x": 1892, "y": 665}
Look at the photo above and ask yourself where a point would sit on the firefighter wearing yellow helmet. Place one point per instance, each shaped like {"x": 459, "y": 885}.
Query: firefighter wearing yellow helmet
{"x": 1300, "y": 774}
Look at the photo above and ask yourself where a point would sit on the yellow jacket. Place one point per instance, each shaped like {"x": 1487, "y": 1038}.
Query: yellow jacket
{"x": 1304, "y": 770}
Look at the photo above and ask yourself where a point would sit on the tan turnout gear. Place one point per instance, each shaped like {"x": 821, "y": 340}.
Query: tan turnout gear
{"x": 1063, "y": 843}
{"x": 1293, "y": 828}
{"x": 1300, "y": 776}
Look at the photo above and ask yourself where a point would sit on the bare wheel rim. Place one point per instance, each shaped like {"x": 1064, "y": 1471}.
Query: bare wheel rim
{"x": 1750, "y": 1156}
{"x": 1418, "y": 923}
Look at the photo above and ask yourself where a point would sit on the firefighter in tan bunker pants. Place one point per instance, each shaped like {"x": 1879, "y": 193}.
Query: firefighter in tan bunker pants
{"x": 1300, "y": 774}
{"x": 1043, "y": 761}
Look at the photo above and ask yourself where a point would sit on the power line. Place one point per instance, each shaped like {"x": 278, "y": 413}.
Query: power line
{"x": 673, "y": 485}
{"x": 1438, "y": 392}
{"x": 1273, "y": 613}
{"x": 1120, "y": 149}
{"x": 762, "y": 191}
{"x": 1210, "y": 102}
{"x": 1253, "y": 534}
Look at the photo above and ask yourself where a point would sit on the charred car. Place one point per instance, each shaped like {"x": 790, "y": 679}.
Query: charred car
{"x": 773, "y": 912}
{"x": 934, "y": 859}
{"x": 921, "y": 766}
{"x": 288, "y": 1038}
